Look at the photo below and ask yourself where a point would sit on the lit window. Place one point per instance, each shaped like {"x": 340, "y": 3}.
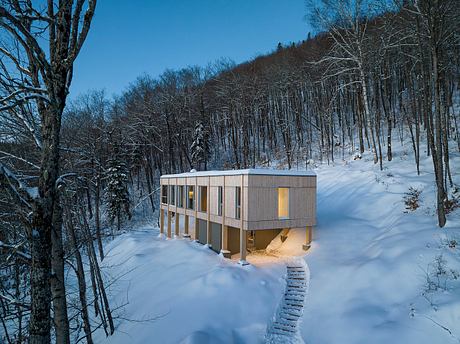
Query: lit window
{"x": 283, "y": 203}
{"x": 238, "y": 202}
{"x": 220, "y": 200}
{"x": 191, "y": 197}
{"x": 164, "y": 194}
{"x": 203, "y": 198}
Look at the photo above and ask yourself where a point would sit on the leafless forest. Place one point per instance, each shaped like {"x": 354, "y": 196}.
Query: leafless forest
{"x": 72, "y": 172}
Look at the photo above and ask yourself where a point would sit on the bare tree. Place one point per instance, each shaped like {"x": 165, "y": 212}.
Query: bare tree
{"x": 32, "y": 76}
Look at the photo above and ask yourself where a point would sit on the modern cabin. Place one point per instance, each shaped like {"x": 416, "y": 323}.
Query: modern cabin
{"x": 237, "y": 211}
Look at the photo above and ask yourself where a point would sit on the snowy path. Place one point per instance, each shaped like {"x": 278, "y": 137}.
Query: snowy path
{"x": 285, "y": 325}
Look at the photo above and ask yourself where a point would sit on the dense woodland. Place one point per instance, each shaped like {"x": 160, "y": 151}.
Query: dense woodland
{"x": 73, "y": 172}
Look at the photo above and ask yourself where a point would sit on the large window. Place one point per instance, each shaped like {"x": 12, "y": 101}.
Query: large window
{"x": 191, "y": 197}
{"x": 238, "y": 202}
{"x": 203, "y": 199}
{"x": 172, "y": 194}
{"x": 283, "y": 203}
{"x": 180, "y": 196}
{"x": 164, "y": 194}
{"x": 220, "y": 200}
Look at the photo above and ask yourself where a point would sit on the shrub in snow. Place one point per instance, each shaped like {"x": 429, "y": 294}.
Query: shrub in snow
{"x": 357, "y": 156}
{"x": 411, "y": 198}
{"x": 451, "y": 204}
{"x": 439, "y": 277}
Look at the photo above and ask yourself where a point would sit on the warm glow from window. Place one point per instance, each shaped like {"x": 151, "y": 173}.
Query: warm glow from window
{"x": 203, "y": 199}
{"x": 283, "y": 203}
{"x": 191, "y": 198}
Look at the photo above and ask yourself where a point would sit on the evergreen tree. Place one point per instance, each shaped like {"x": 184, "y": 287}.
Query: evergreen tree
{"x": 200, "y": 146}
{"x": 116, "y": 192}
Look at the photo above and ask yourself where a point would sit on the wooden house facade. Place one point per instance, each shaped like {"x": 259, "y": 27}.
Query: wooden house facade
{"x": 238, "y": 210}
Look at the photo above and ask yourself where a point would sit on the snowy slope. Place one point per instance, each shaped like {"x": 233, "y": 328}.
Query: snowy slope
{"x": 369, "y": 259}
{"x": 180, "y": 291}
{"x": 368, "y": 266}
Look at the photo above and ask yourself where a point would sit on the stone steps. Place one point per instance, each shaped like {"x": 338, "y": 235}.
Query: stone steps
{"x": 290, "y": 309}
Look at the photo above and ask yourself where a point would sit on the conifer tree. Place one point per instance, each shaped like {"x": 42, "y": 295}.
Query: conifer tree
{"x": 116, "y": 192}
{"x": 200, "y": 146}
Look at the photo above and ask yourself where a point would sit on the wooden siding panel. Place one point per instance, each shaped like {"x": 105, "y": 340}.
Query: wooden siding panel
{"x": 263, "y": 204}
{"x": 229, "y": 201}
{"x": 213, "y": 193}
{"x": 216, "y": 181}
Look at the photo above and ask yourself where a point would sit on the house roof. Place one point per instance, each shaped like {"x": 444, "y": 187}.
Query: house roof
{"x": 250, "y": 171}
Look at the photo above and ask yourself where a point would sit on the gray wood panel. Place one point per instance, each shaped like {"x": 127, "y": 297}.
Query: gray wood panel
{"x": 202, "y": 231}
{"x": 216, "y": 237}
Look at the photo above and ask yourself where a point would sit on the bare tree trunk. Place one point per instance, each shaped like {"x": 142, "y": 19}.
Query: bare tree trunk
{"x": 437, "y": 158}
{"x": 61, "y": 320}
{"x": 40, "y": 322}
{"x": 80, "y": 277}
{"x": 97, "y": 203}
{"x": 367, "y": 112}
{"x": 97, "y": 272}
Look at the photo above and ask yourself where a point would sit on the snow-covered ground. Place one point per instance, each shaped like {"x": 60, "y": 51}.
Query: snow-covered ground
{"x": 368, "y": 264}
{"x": 178, "y": 291}
{"x": 369, "y": 258}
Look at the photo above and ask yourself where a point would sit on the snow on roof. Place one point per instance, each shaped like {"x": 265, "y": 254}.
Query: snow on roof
{"x": 252, "y": 171}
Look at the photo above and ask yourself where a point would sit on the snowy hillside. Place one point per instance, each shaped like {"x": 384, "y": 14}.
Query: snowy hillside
{"x": 369, "y": 264}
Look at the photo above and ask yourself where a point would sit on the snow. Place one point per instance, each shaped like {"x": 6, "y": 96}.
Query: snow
{"x": 369, "y": 257}
{"x": 251, "y": 171}
{"x": 179, "y": 291}
{"x": 368, "y": 263}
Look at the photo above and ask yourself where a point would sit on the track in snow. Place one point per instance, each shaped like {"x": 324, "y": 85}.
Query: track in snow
{"x": 284, "y": 327}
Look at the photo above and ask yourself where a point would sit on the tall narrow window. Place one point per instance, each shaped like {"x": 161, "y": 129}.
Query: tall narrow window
{"x": 203, "y": 199}
{"x": 220, "y": 200}
{"x": 283, "y": 203}
{"x": 172, "y": 194}
{"x": 238, "y": 202}
{"x": 180, "y": 196}
{"x": 164, "y": 194}
{"x": 191, "y": 197}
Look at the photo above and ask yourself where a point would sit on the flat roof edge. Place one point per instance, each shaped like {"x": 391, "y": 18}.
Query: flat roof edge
{"x": 261, "y": 172}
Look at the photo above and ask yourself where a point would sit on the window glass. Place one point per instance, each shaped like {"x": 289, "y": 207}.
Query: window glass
{"x": 238, "y": 202}
{"x": 172, "y": 194}
{"x": 191, "y": 197}
{"x": 180, "y": 196}
{"x": 220, "y": 200}
{"x": 203, "y": 199}
{"x": 164, "y": 194}
{"x": 283, "y": 203}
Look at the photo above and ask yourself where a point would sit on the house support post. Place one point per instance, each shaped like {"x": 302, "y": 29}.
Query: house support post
{"x": 208, "y": 212}
{"x": 162, "y": 221}
{"x": 243, "y": 238}
{"x": 176, "y": 224}
{"x": 308, "y": 238}
{"x": 208, "y": 233}
{"x": 169, "y": 225}
{"x": 243, "y": 234}
{"x": 224, "y": 251}
{"x": 196, "y": 234}
{"x": 186, "y": 235}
